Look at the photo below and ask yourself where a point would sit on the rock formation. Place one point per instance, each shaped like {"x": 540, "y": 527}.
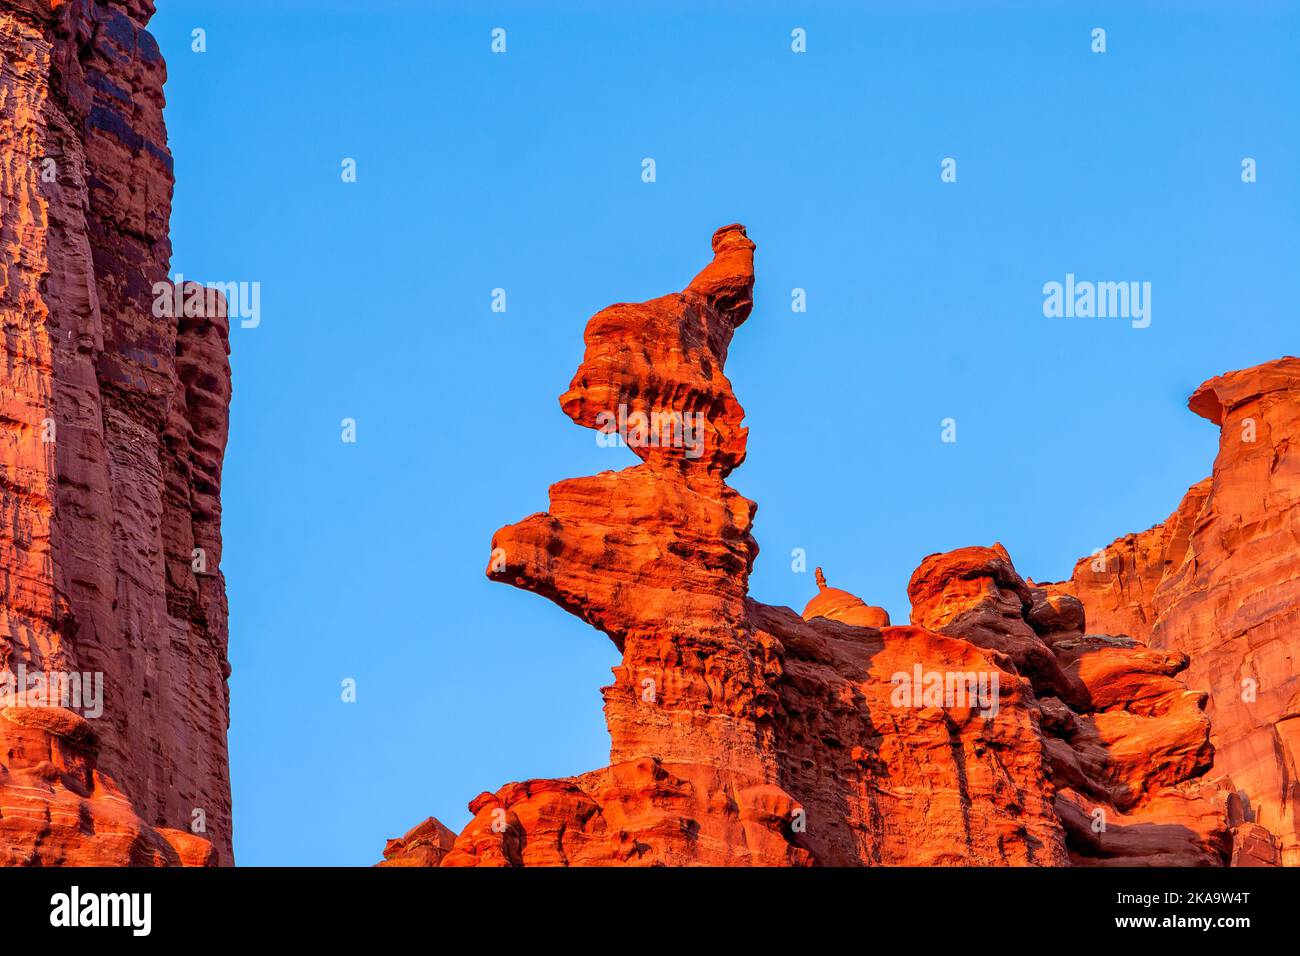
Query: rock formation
{"x": 993, "y": 729}
{"x": 113, "y": 418}
{"x": 1126, "y": 742}
{"x": 1219, "y": 581}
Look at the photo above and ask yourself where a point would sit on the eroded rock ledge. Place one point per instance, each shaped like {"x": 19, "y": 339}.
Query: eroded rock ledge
{"x": 745, "y": 734}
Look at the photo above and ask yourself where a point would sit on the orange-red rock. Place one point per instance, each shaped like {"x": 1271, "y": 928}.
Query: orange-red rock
{"x": 423, "y": 845}
{"x": 1219, "y": 581}
{"x": 57, "y": 809}
{"x": 741, "y": 734}
{"x": 1128, "y": 743}
{"x": 1002, "y": 726}
{"x": 836, "y": 605}
{"x": 112, "y": 431}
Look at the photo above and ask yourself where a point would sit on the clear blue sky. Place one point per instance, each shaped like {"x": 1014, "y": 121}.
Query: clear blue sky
{"x": 523, "y": 171}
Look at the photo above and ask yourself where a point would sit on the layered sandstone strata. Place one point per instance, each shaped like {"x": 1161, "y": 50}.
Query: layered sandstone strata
{"x": 113, "y": 422}
{"x": 745, "y": 734}
{"x": 1219, "y": 581}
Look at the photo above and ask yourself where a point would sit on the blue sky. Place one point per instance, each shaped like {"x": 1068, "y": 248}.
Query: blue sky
{"x": 523, "y": 171}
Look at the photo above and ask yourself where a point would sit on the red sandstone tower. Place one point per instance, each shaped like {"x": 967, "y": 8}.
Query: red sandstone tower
{"x": 113, "y": 423}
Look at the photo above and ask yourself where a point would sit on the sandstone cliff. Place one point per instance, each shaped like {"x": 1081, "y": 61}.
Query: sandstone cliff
{"x": 113, "y": 424}
{"x": 1219, "y": 581}
{"x": 995, "y": 728}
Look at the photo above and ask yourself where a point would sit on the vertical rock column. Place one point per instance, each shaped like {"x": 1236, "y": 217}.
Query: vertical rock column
{"x": 114, "y": 418}
{"x": 666, "y": 572}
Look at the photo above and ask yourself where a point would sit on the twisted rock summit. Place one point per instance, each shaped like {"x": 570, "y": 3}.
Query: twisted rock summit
{"x": 113, "y": 422}
{"x": 995, "y": 728}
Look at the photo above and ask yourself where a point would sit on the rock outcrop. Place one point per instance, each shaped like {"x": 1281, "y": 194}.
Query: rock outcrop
{"x": 1127, "y": 743}
{"x": 992, "y": 730}
{"x": 113, "y": 420}
{"x": 1219, "y": 582}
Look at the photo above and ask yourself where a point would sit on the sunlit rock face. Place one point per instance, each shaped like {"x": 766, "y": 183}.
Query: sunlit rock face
{"x": 994, "y": 729}
{"x": 1127, "y": 743}
{"x": 1219, "y": 581}
{"x": 113, "y": 421}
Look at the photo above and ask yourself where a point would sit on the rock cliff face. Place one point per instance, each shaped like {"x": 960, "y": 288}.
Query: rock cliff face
{"x": 1219, "y": 582}
{"x": 113, "y": 418}
{"x": 995, "y": 728}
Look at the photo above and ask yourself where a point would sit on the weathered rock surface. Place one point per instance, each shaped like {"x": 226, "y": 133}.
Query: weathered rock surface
{"x": 990, "y": 730}
{"x": 1219, "y": 582}
{"x": 59, "y": 810}
{"x": 1126, "y": 741}
{"x": 424, "y": 845}
{"x": 113, "y": 427}
{"x": 837, "y": 605}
